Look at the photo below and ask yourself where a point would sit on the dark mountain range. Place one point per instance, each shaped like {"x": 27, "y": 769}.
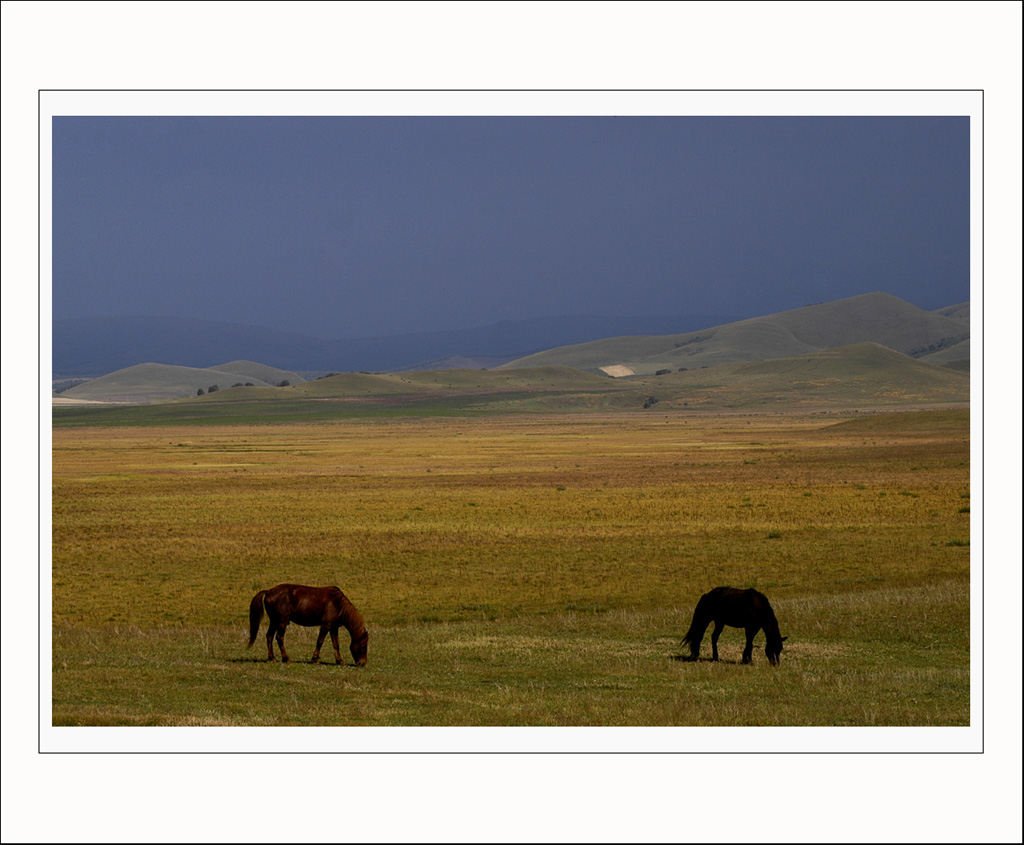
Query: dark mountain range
{"x": 96, "y": 346}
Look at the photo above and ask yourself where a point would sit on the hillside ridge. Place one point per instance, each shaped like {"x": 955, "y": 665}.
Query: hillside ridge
{"x": 155, "y": 382}
{"x": 873, "y": 317}
{"x": 881, "y": 321}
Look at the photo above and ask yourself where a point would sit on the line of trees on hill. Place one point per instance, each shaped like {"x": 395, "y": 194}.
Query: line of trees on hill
{"x": 213, "y": 388}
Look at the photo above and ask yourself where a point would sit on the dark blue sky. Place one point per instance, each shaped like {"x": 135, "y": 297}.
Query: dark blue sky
{"x": 353, "y": 227}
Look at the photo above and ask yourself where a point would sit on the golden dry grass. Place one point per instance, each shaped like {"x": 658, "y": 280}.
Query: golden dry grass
{"x": 574, "y": 544}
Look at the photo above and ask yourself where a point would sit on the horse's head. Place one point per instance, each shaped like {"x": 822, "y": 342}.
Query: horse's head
{"x": 358, "y": 648}
{"x": 773, "y": 650}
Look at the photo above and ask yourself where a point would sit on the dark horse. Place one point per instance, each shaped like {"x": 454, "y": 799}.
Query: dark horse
{"x": 326, "y": 607}
{"x": 747, "y": 609}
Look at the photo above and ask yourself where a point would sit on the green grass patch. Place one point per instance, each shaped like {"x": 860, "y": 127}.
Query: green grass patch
{"x": 847, "y": 662}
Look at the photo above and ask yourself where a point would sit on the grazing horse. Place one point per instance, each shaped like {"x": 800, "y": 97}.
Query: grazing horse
{"x": 326, "y": 607}
{"x": 747, "y": 609}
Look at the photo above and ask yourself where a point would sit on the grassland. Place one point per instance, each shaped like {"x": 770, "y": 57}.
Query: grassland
{"x": 524, "y": 569}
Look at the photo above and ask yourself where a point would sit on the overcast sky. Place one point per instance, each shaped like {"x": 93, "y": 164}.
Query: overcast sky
{"x": 354, "y": 227}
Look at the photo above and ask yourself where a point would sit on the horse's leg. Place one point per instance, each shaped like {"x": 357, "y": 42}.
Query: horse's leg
{"x": 334, "y": 642}
{"x": 749, "y": 650}
{"x": 719, "y": 627}
{"x": 270, "y": 637}
{"x": 319, "y": 642}
{"x": 280, "y": 640}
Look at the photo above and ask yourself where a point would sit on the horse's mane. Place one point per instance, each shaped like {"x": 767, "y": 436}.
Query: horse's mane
{"x": 769, "y": 623}
{"x": 351, "y": 618}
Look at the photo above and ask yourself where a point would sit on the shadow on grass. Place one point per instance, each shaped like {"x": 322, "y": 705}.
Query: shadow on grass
{"x": 685, "y": 658}
{"x": 262, "y": 660}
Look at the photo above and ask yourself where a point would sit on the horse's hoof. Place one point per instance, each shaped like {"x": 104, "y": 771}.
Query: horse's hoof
{"x": 315, "y": 660}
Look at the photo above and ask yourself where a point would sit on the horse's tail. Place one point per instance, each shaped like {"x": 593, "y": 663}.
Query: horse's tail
{"x": 701, "y": 617}
{"x": 255, "y": 615}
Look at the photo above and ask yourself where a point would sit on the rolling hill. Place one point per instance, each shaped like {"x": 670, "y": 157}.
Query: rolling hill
{"x": 426, "y": 384}
{"x": 94, "y": 346}
{"x": 871, "y": 318}
{"x": 865, "y": 375}
{"x": 874, "y": 347}
{"x": 145, "y": 383}
{"x": 960, "y": 312}
{"x": 859, "y": 375}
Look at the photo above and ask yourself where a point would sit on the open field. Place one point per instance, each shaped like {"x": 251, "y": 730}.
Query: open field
{"x": 526, "y": 569}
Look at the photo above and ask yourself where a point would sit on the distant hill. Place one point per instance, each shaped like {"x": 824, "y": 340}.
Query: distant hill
{"x": 865, "y": 375}
{"x": 871, "y": 318}
{"x": 146, "y": 383}
{"x": 955, "y": 355}
{"x": 961, "y": 312}
{"x": 97, "y": 346}
{"x": 936, "y": 337}
{"x": 253, "y": 371}
{"x": 460, "y": 362}
{"x": 427, "y": 383}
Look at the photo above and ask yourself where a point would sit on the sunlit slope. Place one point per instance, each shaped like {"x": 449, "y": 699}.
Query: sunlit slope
{"x": 253, "y": 370}
{"x": 352, "y": 386}
{"x": 866, "y": 374}
{"x": 861, "y": 375}
{"x": 960, "y": 312}
{"x": 876, "y": 318}
{"x": 162, "y": 382}
{"x": 959, "y": 354}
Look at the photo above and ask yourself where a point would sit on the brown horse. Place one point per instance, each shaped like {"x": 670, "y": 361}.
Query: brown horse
{"x": 747, "y": 609}
{"x": 327, "y": 607}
